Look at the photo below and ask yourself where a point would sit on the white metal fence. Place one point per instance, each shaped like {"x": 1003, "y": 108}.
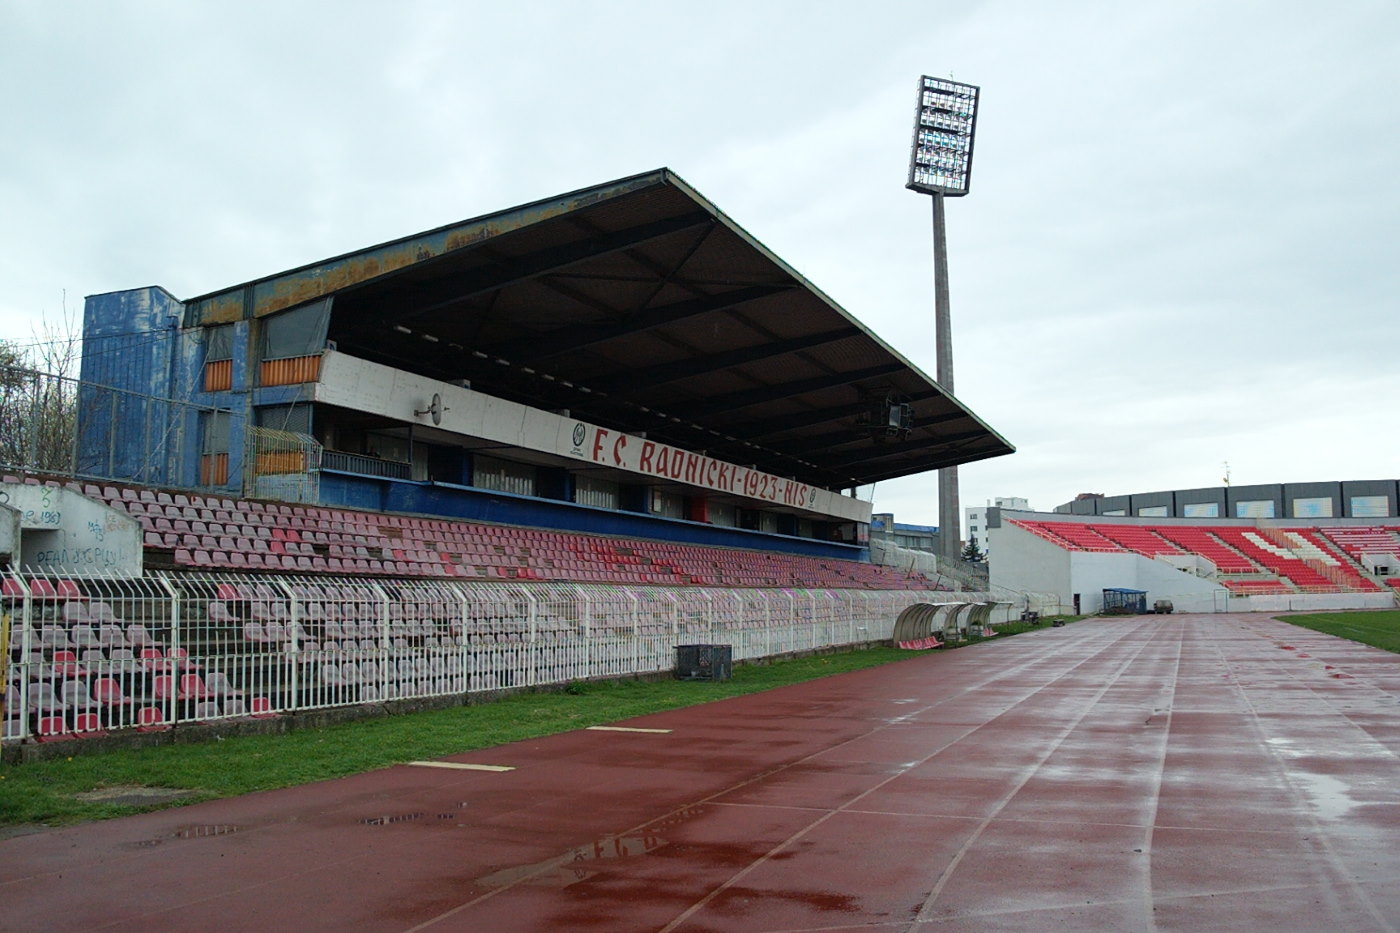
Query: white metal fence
{"x": 98, "y": 654}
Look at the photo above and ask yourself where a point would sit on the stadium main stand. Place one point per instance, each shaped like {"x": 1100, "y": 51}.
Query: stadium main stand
{"x": 546, "y": 444}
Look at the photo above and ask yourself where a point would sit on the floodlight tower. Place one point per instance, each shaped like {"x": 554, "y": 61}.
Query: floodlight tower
{"x": 940, "y": 165}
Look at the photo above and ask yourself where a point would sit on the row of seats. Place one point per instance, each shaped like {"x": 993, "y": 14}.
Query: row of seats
{"x": 1357, "y": 541}
{"x": 1232, "y": 549}
{"x": 76, "y": 711}
{"x": 219, "y": 533}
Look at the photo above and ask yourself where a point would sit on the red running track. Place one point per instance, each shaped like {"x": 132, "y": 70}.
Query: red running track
{"x": 1158, "y": 773}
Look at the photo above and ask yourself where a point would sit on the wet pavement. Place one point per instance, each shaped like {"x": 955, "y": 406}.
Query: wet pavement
{"x": 1157, "y": 773}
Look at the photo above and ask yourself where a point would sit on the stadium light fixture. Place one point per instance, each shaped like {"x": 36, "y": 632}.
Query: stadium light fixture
{"x": 945, "y": 122}
{"x": 940, "y": 165}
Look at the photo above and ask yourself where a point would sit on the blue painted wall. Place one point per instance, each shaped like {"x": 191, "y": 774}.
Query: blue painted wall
{"x": 132, "y": 342}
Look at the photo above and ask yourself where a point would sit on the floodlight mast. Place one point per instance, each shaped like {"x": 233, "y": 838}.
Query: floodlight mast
{"x": 940, "y": 164}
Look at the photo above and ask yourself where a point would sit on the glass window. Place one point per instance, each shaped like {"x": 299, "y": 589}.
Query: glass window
{"x": 294, "y": 418}
{"x": 1255, "y": 508}
{"x": 216, "y": 432}
{"x": 299, "y": 332}
{"x": 1201, "y": 510}
{"x": 1153, "y": 511}
{"x": 1370, "y": 506}
{"x": 668, "y": 504}
{"x": 1312, "y": 507}
{"x": 599, "y": 493}
{"x": 503, "y": 475}
{"x": 218, "y": 343}
{"x": 723, "y": 513}
{"x": 1115, "y": 512}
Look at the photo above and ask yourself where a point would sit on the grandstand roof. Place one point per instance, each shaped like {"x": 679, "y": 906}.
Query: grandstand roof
{"x": 637, "y": 305}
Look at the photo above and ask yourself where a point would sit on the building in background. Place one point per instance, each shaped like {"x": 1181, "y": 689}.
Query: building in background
{"x": 901, "y": 534}
{"x": 1376, "y": 498}
{"x": 976, "y": 517}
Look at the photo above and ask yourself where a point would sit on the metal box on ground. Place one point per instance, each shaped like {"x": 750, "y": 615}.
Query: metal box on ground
{"x": 704, "y": 662}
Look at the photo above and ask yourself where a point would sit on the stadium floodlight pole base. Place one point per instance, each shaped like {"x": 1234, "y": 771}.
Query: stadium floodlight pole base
{"x": 949, "y": 515}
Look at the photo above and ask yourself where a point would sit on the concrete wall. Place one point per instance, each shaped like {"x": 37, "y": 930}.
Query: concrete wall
{"x": 62, "y": 532}
{"x": 9, "y": 532}
{"x": 1021, "y": 562}
{"x": 1092, "y": 573}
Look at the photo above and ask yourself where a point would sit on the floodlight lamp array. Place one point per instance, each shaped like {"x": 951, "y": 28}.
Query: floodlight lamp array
{"x": 940, "y": 161}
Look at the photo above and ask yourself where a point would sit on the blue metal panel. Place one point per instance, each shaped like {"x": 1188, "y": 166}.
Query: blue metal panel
{"x": 132, "y": 343}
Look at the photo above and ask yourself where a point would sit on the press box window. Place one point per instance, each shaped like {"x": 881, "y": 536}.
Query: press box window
{"x": 213, "y": 461}
{"x": 503, "y": 475}
{"x": 291, "y": 344}
{"x": 1312, "y": 507}
{"x": 218, "y": 358}
{"x": 1370, "y": 506}
{"x": 295, "y": 419}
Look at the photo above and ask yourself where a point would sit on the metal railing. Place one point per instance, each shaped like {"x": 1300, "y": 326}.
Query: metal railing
{"x": 90, "y": 655}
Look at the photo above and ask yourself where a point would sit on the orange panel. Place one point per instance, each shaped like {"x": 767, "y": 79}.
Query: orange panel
{"x": 281, "y": 461}
{"x": 213, "y": 469}
{"x": 290, "y": 371}
{"x": 218, "y": 375}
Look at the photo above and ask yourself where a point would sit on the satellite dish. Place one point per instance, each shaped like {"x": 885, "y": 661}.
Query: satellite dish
{"x": 434, "y": 408}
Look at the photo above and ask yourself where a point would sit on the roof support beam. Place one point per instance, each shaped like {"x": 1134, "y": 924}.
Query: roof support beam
{"x": 805, "y": 419}
{"x": 747, "y": 397}
{"x": 652, "y": 376}
{"x": 873, "y": 452}
{"x": 569, "y": 339}
{"x": 857, "y": 432}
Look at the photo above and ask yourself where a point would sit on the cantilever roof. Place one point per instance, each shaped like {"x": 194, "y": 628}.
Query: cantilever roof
{"x": 635, "y": 304}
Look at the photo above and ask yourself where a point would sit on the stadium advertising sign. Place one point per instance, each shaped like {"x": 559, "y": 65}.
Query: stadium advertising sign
{"x": 638, "y": 455}
{"x": 635, "y": 454}
{"x": 940, "y": 161}
{"x": 378, "y": 389}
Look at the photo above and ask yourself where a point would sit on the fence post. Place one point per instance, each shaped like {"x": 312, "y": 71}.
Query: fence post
{"x": 171, "y": 667}
{"x": 585, "y": 617}
{"x": 26, "y": 647}
{"x": 465, "y": 641}
{"x": 532, "y": 641}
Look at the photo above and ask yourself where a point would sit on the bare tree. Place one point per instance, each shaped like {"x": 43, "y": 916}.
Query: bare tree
{"x": 39, "y": 398}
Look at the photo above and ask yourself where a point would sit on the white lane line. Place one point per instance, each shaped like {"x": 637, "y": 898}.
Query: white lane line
{"x": 627, "y": 729}
{"x": 457, "y": 766}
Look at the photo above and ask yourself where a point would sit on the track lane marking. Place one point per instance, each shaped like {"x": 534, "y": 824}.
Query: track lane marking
{"x": 457, "y": 766}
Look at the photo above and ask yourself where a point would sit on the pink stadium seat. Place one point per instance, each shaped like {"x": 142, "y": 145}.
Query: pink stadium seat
{"x": 150, "y": 719}
{"x": 108, "y": 692}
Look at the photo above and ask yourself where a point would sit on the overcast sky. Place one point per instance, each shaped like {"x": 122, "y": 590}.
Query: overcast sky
{"x": 1181, "y": 248}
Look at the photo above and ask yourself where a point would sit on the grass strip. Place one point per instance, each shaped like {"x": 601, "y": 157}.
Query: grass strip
{"x": 43, "y": 792}
{"x": 1377, "y": 628}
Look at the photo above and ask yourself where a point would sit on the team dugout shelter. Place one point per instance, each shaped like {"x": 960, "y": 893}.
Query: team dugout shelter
{"x": 622, "y": 359}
